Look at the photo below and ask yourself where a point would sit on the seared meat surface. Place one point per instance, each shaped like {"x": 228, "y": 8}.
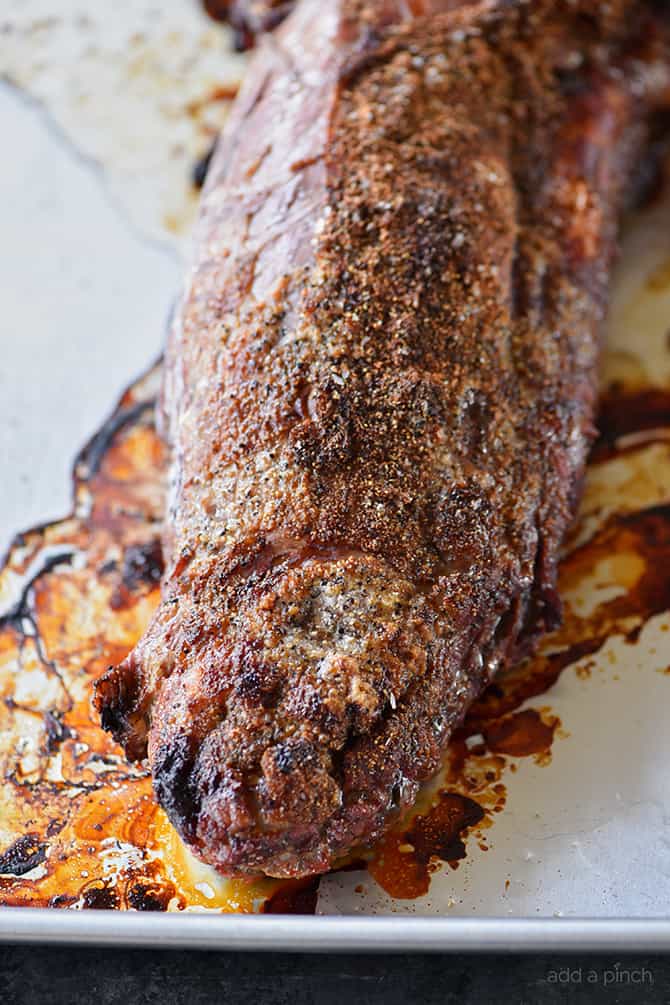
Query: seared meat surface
{"x": 379, "y": 397}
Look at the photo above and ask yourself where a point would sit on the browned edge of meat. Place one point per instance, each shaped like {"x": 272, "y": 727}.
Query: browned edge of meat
{"x": 379, "y": 400}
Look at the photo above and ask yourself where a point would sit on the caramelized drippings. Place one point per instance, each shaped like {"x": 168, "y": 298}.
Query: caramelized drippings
{"x": 405, "y": 859}
{"x": 248, "y": 18}
{"x": 627, "y": 414}
{"x": 297, "y": 896}
{"x": 522, "y": 734}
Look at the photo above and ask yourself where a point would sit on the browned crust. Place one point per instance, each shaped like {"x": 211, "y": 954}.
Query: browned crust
{"x": 379, "y": 400}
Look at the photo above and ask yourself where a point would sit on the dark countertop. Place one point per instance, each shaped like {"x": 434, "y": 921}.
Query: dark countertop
{"x": 34, "y": 974}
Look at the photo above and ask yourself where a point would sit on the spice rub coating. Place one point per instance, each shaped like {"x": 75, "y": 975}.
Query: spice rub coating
{"x": 379, "y": 398}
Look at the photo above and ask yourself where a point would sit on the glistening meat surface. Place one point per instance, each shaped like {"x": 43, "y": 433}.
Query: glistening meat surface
{"x": 379, "y": 399}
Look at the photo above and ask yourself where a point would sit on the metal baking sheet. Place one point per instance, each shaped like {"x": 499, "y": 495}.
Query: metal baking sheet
{"x": 91, "y": 253}
{"x": 328, "y": 934}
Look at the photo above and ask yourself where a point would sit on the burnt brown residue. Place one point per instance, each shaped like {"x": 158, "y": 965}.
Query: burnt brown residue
{"x": 218, "y": 10}
{"x": 62, "y": 900}
{"x": 148, "y": 896}
{"x": 522, "y": 734}
{"x": 55, "y": 730}
{"x": 100, "y": 898}
{"x": 141, "y": 569}
{"x": 98, "y": 448}
{"x": 294, "y": 897}
{"x": 142, "y": 564}
{"x": 24, "y": 855}
{"x": 201, "y": 166}
{"x": 404, "y": 860}
{"x": 627, "y": 413}
{"x": 640, "y": 542}
{"x": 248, "y": 18}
